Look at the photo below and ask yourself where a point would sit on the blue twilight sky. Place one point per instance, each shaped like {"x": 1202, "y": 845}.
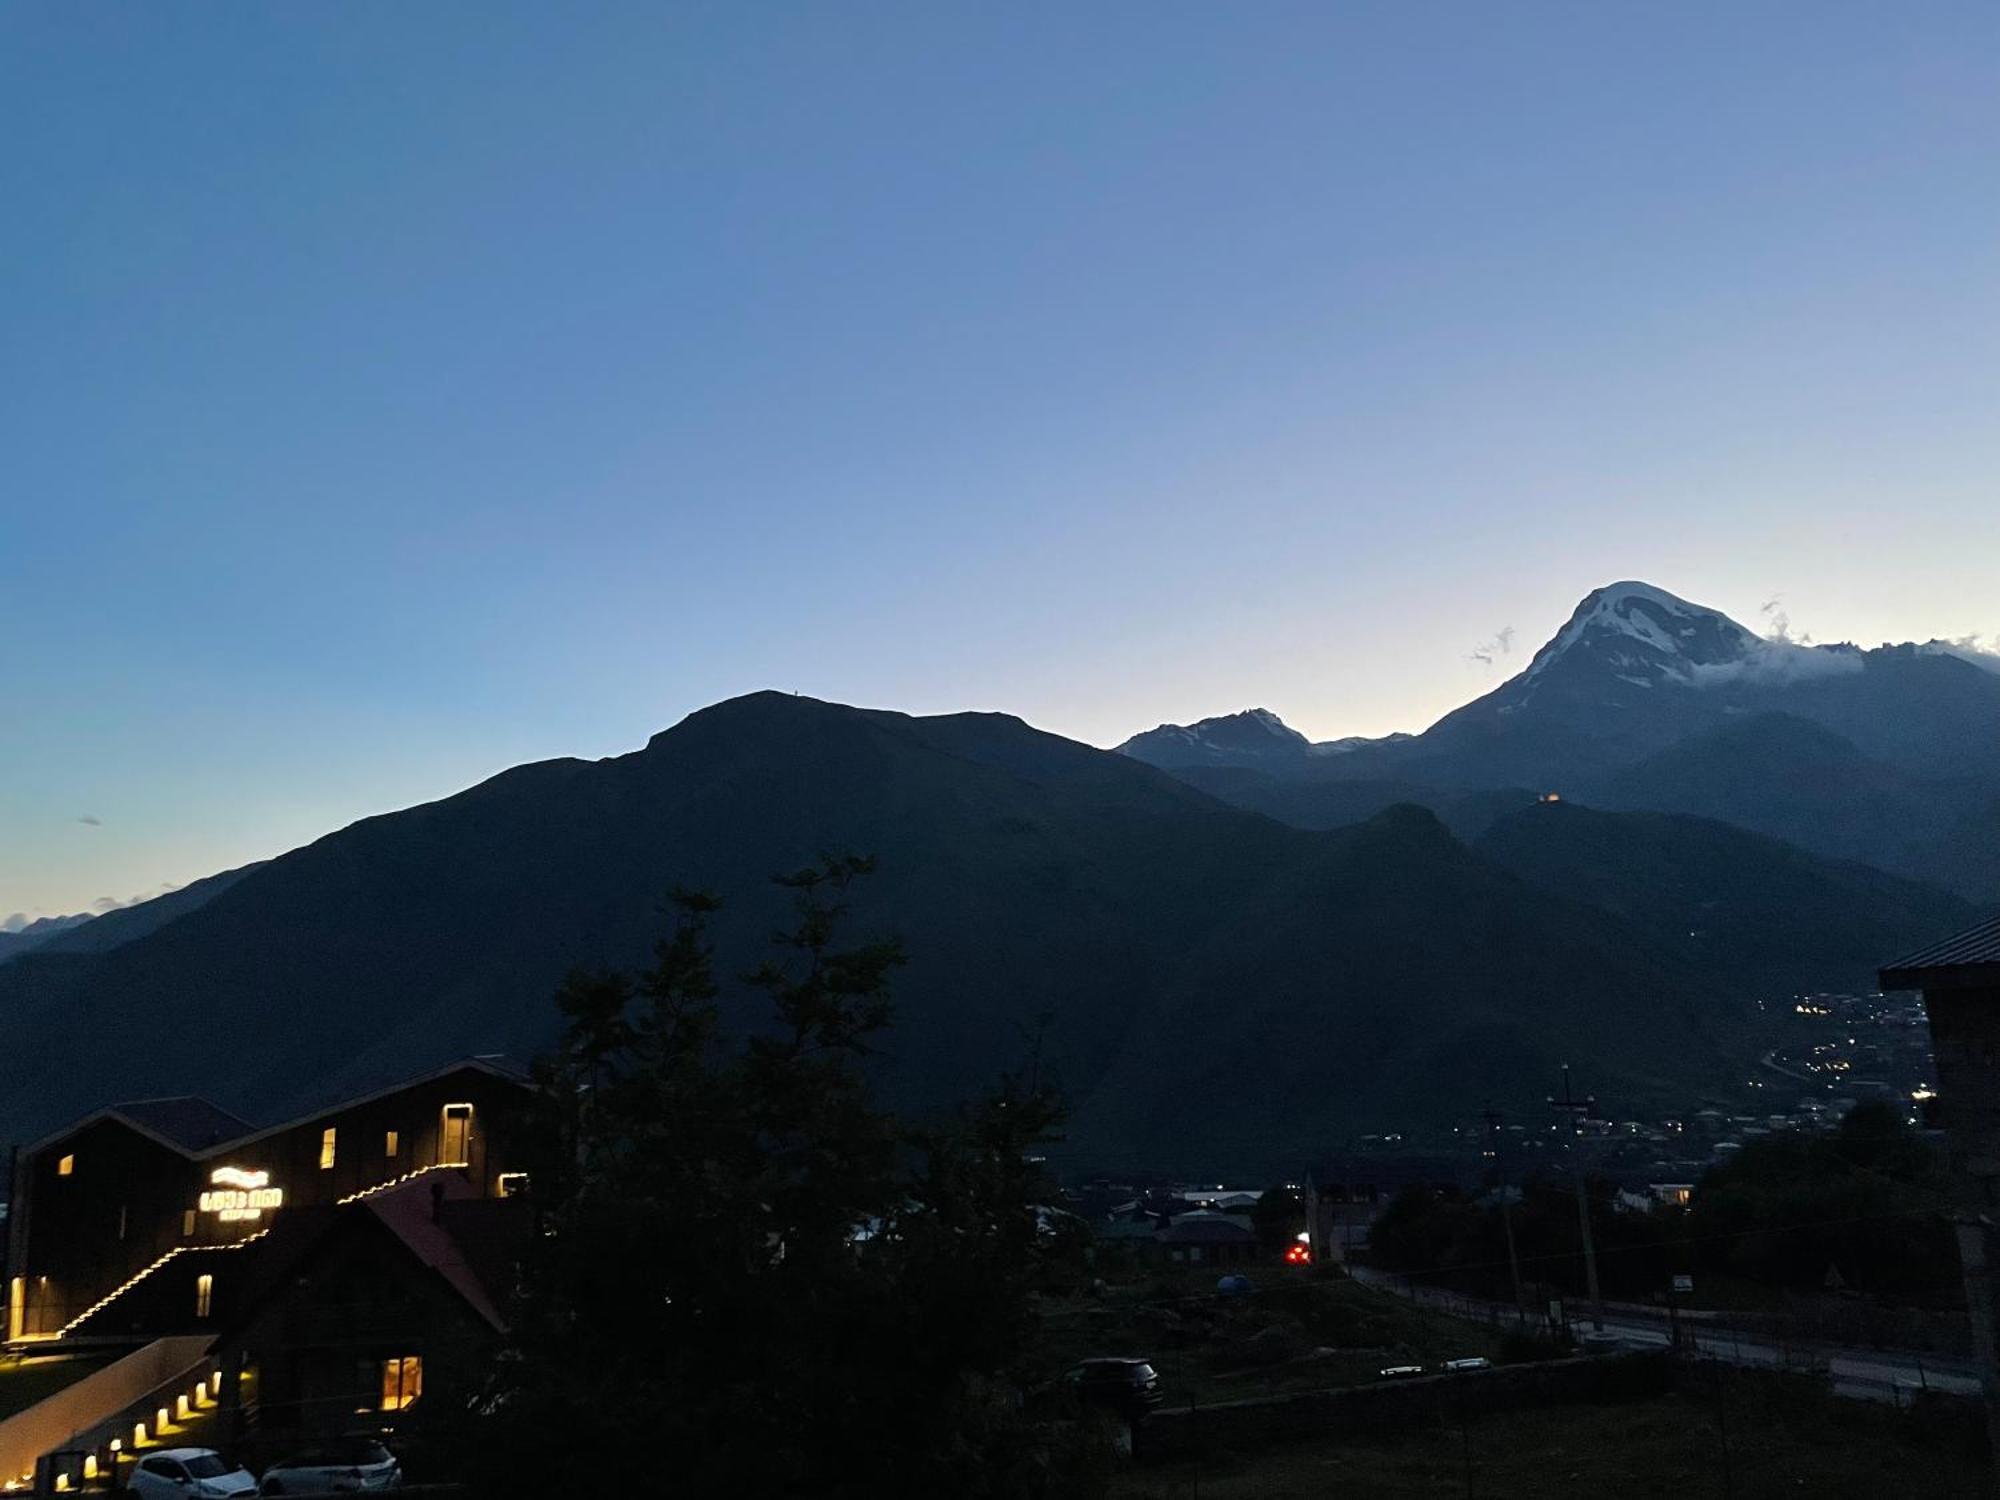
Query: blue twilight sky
{"x": 391, "y": 393}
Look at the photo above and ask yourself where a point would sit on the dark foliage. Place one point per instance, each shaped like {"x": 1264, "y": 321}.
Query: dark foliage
{"x": 1868, "y": 1202}
{"x": 749, "y": 1279}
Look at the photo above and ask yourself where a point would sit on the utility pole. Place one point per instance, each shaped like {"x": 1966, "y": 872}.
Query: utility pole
{"x": 1577, "y": 1110}
{"x": 1491, "y": 1116}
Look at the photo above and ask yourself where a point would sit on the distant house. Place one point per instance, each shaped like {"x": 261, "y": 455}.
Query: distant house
{"x": 1206, "y": 1238}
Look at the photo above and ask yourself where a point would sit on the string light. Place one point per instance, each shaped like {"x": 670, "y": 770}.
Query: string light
{"x": 110, "y": 1297}
{"x": 396, "y": 1182}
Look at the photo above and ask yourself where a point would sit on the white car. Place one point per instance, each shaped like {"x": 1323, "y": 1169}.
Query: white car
{"x": 346, "y": 1466}
{"x": 1474, "y": 1363}
{"x": 189, "y": 1474}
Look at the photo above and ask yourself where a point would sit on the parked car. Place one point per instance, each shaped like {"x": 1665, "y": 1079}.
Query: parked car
{"x": 189, "y": 1474}
{"x": 1401, "y": 1372}
{"x": 1130, "y": 1387}
{"x": 1476, "y": 1362}
{"x": 352, "y": 1465}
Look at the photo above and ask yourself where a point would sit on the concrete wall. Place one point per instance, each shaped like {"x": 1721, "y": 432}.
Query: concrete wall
{"x": 83, "y": 1407}
{"x": 1178, "y": 1432}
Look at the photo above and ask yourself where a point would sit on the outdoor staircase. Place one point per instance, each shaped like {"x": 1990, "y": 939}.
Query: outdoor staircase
{"x": 161, "y": 1395}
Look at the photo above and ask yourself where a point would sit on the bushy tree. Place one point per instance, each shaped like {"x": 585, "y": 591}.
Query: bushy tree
{"x": 1869, "y": 1200}
{"x": 750, "y": 1280}
{"x": 1278, "y": 1215}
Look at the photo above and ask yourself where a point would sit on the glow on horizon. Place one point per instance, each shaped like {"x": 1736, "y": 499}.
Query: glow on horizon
{"x": 397, "y": 396}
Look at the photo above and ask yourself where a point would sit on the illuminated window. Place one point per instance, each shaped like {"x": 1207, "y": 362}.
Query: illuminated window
{"x": 65, "y": 1166}
{"x": 204, "y": 1294}
{"x": 513, "y": 1184}
{"x": 326, "y": 1147}
{"x": 455, "y": 1135}
{"x": 402, "y": 1381}
{"x": 17, "y": 1306}
{"x": 392, "y": 1144}
{"x": 187, "y": 1224}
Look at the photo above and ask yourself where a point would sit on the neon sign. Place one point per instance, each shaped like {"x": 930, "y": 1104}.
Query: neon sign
{"x": 236, "y": 1195}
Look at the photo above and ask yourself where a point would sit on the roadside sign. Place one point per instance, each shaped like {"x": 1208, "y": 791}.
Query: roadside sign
{"x": 1683, "y": 1283}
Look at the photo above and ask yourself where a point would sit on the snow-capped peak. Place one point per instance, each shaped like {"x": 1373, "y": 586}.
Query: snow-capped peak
{"x": 1270, "y": 723}
{"x": 1644, "y": 633}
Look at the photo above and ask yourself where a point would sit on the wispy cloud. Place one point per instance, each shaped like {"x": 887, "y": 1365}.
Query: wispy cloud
{"x": 1489, "y": 652}
{"x": 1975, "y": 649}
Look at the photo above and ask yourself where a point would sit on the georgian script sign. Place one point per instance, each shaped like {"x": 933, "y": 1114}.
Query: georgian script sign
{"x": 237, "y": 1194}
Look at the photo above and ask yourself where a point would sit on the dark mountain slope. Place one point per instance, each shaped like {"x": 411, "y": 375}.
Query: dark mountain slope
{"x": 1642, "y": 699}
{"x": 35, "y": 934}
{"x": 1761, "y": 916}
{"x": 1794, "y": 779}
{"x": 1325, "y": 803}
{"x": 1030, "y": 875}
{"x": 1396, "y": 980}
{"x": 1224, "y": 989}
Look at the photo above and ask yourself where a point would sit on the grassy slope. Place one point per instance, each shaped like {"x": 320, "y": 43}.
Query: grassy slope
{"x": 1209, "y": 1349}
{"x": 1779, "y": 1442}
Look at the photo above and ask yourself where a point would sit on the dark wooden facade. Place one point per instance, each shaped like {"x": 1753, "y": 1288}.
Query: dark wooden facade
{"x": 113, "y": 1209}
{"x": 372, "y": 1298}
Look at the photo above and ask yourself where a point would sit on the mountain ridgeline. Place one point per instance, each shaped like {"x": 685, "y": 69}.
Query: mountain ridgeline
{"x": 1216, "y": 988}
{"x": 1643, "y": 701}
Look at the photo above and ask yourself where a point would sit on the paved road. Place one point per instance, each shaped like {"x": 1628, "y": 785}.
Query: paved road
{"x": 1870, "y": 1374}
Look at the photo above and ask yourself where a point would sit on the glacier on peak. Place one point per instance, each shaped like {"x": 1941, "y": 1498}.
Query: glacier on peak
{"x": 1635, "y": 628}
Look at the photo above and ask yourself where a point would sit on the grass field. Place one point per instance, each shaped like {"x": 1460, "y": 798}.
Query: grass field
{"x": 1781, "y": 1440}
{"x": 1293, "y": 1332}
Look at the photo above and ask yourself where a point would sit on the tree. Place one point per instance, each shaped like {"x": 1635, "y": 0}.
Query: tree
{"x": 1278, "y": 1215}
{"x": 750, "y": 1278}
{"x": 1871, "y": 1199}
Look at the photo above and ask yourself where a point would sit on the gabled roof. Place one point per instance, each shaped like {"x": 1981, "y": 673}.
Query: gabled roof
{"x": 173, "y": 1123}
{"x": 405, "y": 1212}
{"x": 1204, "y": 1228}
{"x": 190, "y": 1123}
{"x": 410, "y": 1213}
{"x": 1966, "y": 960}
{"x": 196, "y": 1128}
{"x": 492, "y": 1064}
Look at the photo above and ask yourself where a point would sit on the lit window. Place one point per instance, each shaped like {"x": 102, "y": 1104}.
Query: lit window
{"x": 513, "y": 1184}
{"x": 204, "y": 1294}
{"x": 187, "y": 1224}
{"x": 326, "y": 1146}
{"x": 402, "y": 1381}
{"x": 392, "y": 1144}
{"x": 65, "y": 1166}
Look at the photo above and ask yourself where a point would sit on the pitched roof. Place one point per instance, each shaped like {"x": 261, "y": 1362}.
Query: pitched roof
{"x": 1970, "y": 959}
{"x": 491, "y": 1063}
{"x": 1203, "y": 1228}
{"x": 196, "y": 1128}
{"x": 192, "y": 1124}
{"x": 410, "y": 1212}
